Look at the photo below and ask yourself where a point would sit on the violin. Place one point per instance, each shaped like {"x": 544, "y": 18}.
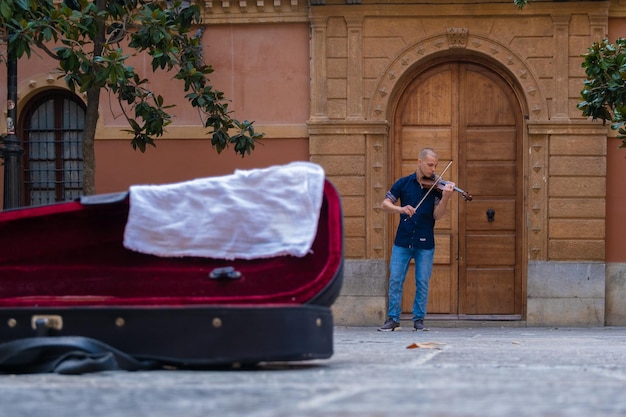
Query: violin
{"x": 440, "y": 184}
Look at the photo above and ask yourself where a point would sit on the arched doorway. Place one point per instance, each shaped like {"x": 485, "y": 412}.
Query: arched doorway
{"x": 470, "y": 115}
{"x": 51, "y": 128}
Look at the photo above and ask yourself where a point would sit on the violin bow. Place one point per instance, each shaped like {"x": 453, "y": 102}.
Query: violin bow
{"x": 432, "y": 186}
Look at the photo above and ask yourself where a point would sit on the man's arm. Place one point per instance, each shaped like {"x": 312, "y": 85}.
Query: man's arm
{"x": 388, "y": 206}
{"x": 442, "y": 208}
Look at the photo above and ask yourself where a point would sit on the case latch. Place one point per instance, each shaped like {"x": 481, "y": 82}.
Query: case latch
{"x": 45, "y": 321}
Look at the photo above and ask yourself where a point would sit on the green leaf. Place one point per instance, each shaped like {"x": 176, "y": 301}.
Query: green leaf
{"x": 6, "y": 10}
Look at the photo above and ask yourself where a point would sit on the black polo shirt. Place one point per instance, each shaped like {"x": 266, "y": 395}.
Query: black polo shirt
{"x": 415, "y": 231}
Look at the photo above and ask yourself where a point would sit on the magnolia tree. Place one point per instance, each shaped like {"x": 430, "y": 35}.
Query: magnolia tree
{"x": 604, "y": 92}
{"x": 86, "y": 38}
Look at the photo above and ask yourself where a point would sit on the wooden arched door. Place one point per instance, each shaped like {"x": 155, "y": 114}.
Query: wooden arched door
{"x": 470, "y": 116}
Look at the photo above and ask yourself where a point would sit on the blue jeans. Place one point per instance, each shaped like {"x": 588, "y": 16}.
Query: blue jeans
{"x": 398, "y": 267}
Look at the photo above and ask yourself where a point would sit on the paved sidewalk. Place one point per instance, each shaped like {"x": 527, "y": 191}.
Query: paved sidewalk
{"x": 478, "y": 372}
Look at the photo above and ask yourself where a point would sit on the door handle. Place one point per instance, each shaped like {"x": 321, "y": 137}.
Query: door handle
{"x": 491, "y": 214}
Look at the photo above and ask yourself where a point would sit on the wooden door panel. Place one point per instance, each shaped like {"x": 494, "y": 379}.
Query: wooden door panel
{"x": 490, "y": 250}
{"x": 491, "y": 179}
{"x": 504, "y": 218}
{"x": 498, "y": 143}
{"x": 415, "y": 138}
{"x": 490, "y": 291}
{"x": 443, "y": 248}
{"x": 442, "y": 291}
{"x": 427, "y": 100}
{"x": 484, "y": 100}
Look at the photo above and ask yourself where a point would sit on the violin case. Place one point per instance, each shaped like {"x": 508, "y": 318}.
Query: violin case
{"x": 74, "y": 299}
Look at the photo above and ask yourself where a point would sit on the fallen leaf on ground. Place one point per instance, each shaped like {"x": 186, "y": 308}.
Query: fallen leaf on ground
{"x": 425, "y": 345}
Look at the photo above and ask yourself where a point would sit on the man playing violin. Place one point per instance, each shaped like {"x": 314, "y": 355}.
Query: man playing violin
{"x": 421, "y": 203}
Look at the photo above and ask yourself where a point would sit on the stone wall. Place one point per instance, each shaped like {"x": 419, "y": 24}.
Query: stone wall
{"x": 363, "y": 56}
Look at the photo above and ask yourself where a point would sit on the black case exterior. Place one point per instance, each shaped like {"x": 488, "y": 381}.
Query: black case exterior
{"x": 188, "y": 336}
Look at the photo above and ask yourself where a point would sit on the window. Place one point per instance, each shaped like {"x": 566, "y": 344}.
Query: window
{"x": 52, "y": 135}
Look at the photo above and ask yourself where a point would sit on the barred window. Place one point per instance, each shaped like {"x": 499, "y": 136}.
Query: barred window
{"x": 52, "y": 134}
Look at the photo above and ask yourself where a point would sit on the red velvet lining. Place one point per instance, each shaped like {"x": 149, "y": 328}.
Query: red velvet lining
{"x": 72, "y": 254}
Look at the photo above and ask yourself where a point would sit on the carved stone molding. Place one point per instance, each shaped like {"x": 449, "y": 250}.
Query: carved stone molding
{"x": 457, "y": 37}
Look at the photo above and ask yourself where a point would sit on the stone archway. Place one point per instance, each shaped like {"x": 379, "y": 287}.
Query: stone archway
{"x": 457, "y": 46}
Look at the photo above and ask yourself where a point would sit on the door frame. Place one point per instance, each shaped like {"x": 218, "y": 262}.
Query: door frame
{"x": 417, "y": 70}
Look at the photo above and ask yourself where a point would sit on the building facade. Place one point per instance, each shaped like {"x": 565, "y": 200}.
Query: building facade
{"x": 494, "y": 90}
{"x": 360, "y": 86}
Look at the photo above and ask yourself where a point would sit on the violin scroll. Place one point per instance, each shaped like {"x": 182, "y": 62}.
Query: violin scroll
{"x": 467, "y": 196}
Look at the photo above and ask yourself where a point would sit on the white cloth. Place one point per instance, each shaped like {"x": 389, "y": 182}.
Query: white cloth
{"x": 250, "y": 214}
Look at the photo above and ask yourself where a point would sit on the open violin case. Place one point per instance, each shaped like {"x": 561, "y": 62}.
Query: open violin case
{"x": 74, "y": 298}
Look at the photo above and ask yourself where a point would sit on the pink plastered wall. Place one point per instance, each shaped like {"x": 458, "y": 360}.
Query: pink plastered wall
{"x": 263, "y": 69}
{"x": 264, "y": 72}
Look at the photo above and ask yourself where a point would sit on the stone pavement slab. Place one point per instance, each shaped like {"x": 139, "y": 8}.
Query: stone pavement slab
{"x": 480, "y": 372}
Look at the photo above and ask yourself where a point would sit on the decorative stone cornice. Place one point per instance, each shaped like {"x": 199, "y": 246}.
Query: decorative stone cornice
{"x": 617, "y": 8}
{"x": 253, "y": 11}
